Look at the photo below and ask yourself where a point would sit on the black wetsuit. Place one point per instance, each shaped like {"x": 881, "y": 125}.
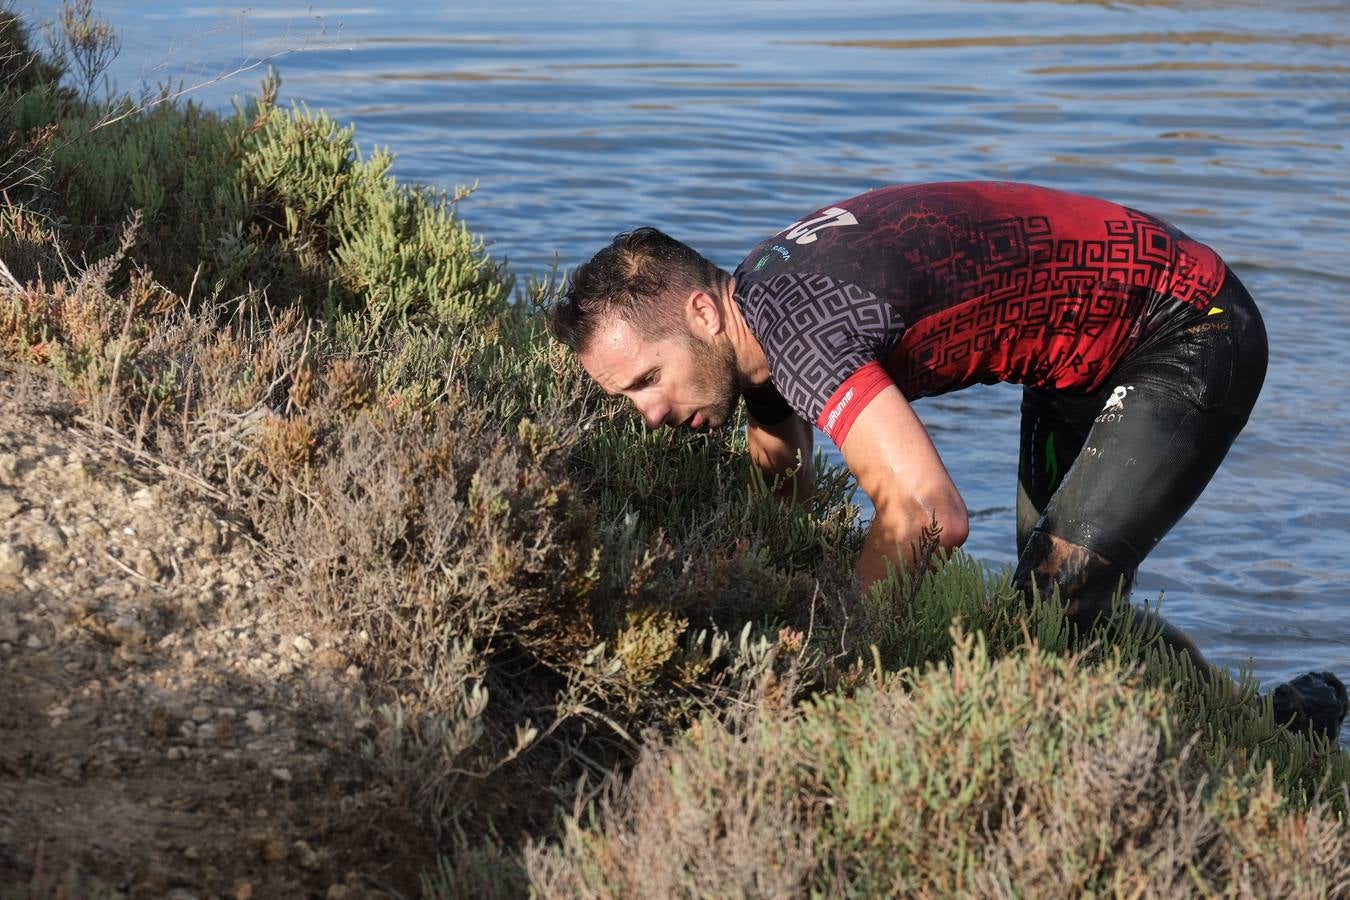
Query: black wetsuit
{"x": 1140, "y": 352}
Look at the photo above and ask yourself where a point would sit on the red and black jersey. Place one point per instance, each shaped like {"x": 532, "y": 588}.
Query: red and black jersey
{"x": 934, "y": 287}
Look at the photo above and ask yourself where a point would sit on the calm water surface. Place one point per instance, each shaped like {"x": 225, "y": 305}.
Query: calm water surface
{"x": 723, "y": 122}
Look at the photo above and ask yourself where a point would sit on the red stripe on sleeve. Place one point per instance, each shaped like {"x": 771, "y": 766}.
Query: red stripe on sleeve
{"x": 845, "y": 403}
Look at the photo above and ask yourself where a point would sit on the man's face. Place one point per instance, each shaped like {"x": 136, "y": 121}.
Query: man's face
{"x": 678, "y": 380}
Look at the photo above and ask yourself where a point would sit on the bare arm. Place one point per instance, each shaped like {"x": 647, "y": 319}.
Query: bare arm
{"x": 897, "y": 466}
{"x": 774, "y": 449}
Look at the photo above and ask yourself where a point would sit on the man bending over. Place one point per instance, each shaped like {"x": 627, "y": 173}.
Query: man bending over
{"x": 1140, "y": 355}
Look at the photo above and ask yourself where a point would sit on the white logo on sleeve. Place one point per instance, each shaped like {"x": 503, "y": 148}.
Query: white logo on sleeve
{"x": 837, "y": 412}
{"x": 804, "y": 231}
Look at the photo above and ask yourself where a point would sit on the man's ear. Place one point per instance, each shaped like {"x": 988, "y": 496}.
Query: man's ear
{"x": 703, "y": 313}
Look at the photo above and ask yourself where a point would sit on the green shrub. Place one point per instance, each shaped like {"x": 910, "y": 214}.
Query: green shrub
{"x": 281, "y": 201}
{"x": 1030, "y": 776}
{"x": 336, "y": 228}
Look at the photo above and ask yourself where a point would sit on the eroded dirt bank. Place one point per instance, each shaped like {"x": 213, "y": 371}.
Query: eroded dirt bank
{"x": 163, "y": 729}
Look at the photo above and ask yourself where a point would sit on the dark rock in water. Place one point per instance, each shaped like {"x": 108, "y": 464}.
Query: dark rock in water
{"x": 1316, "y": 701}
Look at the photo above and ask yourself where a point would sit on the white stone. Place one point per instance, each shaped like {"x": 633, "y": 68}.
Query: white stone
{"x": 13, "y": 560}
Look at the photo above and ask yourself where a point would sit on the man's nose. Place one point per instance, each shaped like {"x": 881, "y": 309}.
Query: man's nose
{"x": 653, "y": 411}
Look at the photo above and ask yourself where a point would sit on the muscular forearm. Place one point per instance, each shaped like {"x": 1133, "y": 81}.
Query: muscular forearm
{"x": 783, "y": 457}
{"x": 897, "y": 541}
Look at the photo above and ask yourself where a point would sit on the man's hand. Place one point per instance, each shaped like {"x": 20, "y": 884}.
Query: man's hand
{"x": 776, "y": 450}
{"x": 897, "y": 466}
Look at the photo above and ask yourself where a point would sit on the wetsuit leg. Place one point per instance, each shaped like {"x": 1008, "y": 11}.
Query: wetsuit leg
{"x": 1054, "y": 427}
{"x": 1165, "y": 420}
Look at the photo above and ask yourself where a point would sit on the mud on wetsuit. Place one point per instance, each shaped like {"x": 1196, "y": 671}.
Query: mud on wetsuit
{"x": 1140, "y": 353}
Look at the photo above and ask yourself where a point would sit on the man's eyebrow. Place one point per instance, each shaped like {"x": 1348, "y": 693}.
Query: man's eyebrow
{"x": 638, "y": 380}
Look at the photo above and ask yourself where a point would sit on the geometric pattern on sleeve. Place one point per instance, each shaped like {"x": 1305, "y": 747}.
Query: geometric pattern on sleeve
{"x": 816, "y": 332}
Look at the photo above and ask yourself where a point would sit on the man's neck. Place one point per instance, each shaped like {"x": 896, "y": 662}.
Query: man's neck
{"x": 752, "y": 366}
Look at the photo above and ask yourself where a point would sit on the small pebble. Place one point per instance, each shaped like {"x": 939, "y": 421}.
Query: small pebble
{"x": 127, "y": 631}
{"x": 306, "y": 856}
{"x": 49, "y": 538}
{"x": 274, "y": 848}
{"x": 147, "y": 564}
{"x": 13, "y": 560}
{"x": 332, "y": 659}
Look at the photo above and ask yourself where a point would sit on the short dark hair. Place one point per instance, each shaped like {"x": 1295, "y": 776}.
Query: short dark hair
{"x": 639, "y": 276}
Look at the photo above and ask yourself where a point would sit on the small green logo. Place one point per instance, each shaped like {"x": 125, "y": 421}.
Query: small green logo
{"x": 763, "y": 261}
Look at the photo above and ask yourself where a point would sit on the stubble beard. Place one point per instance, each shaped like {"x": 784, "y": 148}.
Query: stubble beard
{"x": 717, "y": 379}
